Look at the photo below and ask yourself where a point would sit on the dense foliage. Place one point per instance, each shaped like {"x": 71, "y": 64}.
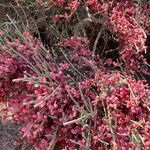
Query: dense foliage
{"x": 82, "y": 92}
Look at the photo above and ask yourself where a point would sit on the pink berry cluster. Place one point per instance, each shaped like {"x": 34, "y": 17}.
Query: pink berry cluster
{"x": 125, "y": 104}
{"x": 130, "y": 34}
{"x": 69, "y": 100}
{"x": 76, "y": 105}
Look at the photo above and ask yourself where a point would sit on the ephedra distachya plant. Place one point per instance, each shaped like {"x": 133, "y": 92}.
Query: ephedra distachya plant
{"x": 68, "y": 96}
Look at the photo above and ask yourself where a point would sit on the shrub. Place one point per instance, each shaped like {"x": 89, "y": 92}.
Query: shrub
{"x": 70, "y": 97}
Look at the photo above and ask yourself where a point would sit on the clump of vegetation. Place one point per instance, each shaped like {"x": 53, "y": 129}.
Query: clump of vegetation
{"x": 77, "y": 81}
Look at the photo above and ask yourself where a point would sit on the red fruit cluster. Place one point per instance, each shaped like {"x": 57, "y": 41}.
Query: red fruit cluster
{"x": 130, "y": 34}
{"x": 74, "y": 101}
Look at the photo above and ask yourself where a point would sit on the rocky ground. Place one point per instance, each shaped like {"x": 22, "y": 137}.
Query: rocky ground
{"x": 8, "y": 132}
